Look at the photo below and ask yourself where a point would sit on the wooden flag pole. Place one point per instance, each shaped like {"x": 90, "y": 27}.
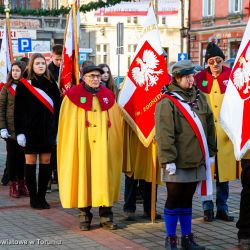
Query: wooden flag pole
{"x": 154, "y": 157}
{"x": 75, "y": 42}
{"x": 153, "y": 191}
{"x": 7, "y": 12}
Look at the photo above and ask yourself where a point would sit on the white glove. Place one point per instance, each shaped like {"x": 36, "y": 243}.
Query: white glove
{"x": 4, "y": 133}
{"x": 212, "y": 160}
{"x": 21, "y": 140}
{"x": 171, "y": 168}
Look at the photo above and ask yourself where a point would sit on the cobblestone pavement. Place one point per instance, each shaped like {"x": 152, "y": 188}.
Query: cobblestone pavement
{"x": 24, "y": 228}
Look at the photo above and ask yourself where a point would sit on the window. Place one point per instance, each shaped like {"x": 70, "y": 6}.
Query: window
{"x": 163, "y": 20}
{"x": 102, "y": 19}
{"x": 235, "y": 6}
{"x": 102, "y": 53}
{"x": 129, "y": 19}
{"x": 132, "y": 19}
{"x": 131, "y": 52}
{"x": 207, "y": 8}
{"x": 19, "y": 4}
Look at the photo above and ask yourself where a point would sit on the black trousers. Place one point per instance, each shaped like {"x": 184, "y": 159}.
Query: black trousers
{"x": 130, "y": 194}
{"x": 15, "y": 160}
{"x": 243, "y": 223}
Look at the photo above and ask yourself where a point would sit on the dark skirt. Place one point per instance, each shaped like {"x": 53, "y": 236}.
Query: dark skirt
{"x": 38, "y": 150}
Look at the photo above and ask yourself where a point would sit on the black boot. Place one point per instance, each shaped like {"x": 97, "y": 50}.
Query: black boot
{"x": 43, "y": 180}
{"x": 85, "y": 218}
{"x": 188, "y": 243}
{"x": 171, "y": 243}
{"x": 30, "y": 178}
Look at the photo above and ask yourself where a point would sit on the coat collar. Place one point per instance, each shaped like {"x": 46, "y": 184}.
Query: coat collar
{"x": 84, "y": 99}
{"x": 204, "y": 80}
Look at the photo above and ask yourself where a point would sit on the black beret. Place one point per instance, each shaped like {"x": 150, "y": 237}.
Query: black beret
{"x": 91, "y": 68}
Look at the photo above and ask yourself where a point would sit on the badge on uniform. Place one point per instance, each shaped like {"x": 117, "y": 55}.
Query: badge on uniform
{"x": 82, "y": 99}
{"x": 204, "y": 83}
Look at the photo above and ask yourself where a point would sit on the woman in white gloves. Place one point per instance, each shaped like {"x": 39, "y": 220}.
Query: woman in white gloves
{"x": 15, "y": 154}
{"x": 37, "y": 104}
{"x": 182, "y": 115}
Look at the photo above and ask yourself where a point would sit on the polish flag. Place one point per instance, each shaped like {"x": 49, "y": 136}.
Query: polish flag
{"x": 235, "y": 109}
{"x": 5, "y": 63}
{"x": 142, "y": 86}
{"x": 68, "y": 69}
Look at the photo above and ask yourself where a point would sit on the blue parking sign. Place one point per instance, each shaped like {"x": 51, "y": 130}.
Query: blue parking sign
{"x": 182, "y": 56}
{"x": 24, "y": 45}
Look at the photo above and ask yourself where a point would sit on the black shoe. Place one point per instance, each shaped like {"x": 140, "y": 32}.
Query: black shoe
{"x": 108, "y": 225}
{"x": 85, "y": 220}
{"x": 147, "y": 215}
{"x": 244, "y": 244}
{"x": 85, "y": 226}
{"x": 129, "y": 216}
{"x": 222, "y": 215}
{"x": 208, "y": 215}
{"x": 44, "y": 203}
{"x": 171, "y": 243}
{"x": 188, "y": 243}
{"x": 35, "y": 203}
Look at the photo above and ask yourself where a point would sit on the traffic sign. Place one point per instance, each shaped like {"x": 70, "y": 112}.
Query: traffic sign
{"x": 24, "y": 45}
{"x": 182, "y": 56}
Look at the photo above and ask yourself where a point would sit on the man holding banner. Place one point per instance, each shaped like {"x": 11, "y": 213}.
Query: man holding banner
{"x": 235, "y": 120}
{"x": 140, "y": 92}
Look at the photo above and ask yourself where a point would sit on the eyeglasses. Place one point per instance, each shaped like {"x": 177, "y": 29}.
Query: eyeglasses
{"x": 93, "y": 76}
{"x": 218, "y": 60}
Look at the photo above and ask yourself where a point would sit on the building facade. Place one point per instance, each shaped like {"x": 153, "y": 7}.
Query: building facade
{"x": 43, "y": 30}
{"x": 222, "y": 22}
{"x": 99, "y": 31}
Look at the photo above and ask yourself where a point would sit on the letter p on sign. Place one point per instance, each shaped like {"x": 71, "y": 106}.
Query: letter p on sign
{"x": 24, "y": 45}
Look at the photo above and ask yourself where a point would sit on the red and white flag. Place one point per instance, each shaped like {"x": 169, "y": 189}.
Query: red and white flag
{"x": 69, "y": 66}
{"x": 5, "y": 63}
{"x": 146, "y": 77}
{"x": 235, "y": 109}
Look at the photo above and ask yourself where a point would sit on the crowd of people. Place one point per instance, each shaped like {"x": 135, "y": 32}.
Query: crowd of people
{"x": 82, "y": 141}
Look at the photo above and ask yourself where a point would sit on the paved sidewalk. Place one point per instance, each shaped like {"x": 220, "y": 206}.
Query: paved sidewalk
{"x": 24, "y": 228}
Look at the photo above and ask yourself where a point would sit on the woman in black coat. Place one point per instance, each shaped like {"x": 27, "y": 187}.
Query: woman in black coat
{"x": 37, "y": 104}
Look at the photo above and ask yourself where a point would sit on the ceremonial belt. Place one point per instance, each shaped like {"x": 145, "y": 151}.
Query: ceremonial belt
{"x": 40, "y": 95}
{"x": 204, "y": 188}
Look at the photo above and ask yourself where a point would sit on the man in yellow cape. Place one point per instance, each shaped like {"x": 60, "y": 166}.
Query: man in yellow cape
{"x": 90, "y": 149}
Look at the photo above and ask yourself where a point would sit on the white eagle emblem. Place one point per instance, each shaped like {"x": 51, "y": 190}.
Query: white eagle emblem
{"x": 106, "y": 100}
{"x": 145, "y": 74}
{"x": 242, "y": 74}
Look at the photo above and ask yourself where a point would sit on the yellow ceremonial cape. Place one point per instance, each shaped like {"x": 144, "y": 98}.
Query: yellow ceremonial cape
{"x": 89, "y": 158}
{"x": 137, "y": 159}
{"x": 226, "y": 162}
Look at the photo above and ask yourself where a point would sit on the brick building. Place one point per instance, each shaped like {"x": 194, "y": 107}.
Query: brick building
{"x": 223, "y": 22}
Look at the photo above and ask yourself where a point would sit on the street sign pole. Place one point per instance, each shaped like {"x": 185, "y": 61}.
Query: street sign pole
{"x": 120, "y": 31}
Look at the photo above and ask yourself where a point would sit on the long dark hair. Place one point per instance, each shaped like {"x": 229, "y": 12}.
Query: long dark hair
{"x": 111, "y": 82}
{"x": 31, "y": 73}
{"x": 21, "y": 66}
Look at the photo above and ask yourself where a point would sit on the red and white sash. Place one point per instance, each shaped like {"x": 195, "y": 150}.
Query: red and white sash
{"x": 12, "y": 89}
{"x": 40, "y": 95}
{"x": 205, "y": 187}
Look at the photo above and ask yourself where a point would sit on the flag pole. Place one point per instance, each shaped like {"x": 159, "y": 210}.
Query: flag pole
{"x": 64, "y": 39}
{"x": 75, "y": 42}
{"x": 153, "y": 3}
{"x": 7, "y": 13}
